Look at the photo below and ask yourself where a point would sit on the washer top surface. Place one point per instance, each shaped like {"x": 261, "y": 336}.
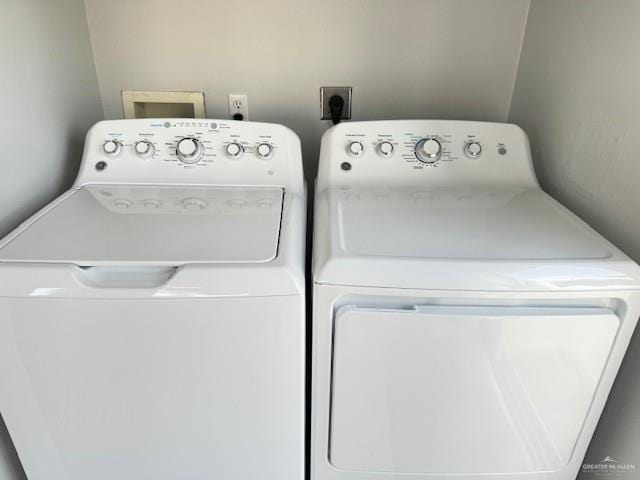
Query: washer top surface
{"x": 152, "y": 225}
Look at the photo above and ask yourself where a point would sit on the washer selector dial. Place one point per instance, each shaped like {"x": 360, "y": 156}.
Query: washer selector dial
{"x": 385, "y": 149}
{"x": 234, "y": 150}
{"x": 264, "y": 150}
{"x": 428, "y": 150}
{"x": 472, "y": 149}
{"x": 189, "y": 150}
{"x": 144, "y": 149}
{"x": 355, "y": 149}
{"x": 112, "y": 148}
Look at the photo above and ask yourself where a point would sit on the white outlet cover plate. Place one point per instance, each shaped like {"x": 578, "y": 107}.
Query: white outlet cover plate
{"x": 238, "y": 103}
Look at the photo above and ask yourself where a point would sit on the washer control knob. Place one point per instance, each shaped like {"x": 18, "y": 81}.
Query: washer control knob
{"x": 355, "y": 148}
{"x": 112, "y": 148}
{"x": 428, "y": 150}
{"x": 189, "y": 150}
{"x": 264, "y": 150}
{"x": 385, "y": 149}
{"x": 144, "y": 149}
{"x": 234, "y": 150}
{"x": 472, "y": 149}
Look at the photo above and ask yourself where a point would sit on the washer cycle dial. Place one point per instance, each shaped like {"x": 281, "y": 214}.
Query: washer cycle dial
{"x": 112, "y": 148}
{"x": 189, "y": 150}
{"x": 234, "y": 150}
{"x": 428, "y": 150}
{"x": 144, "y": 149}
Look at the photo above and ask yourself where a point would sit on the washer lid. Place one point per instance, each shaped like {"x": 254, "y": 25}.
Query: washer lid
{"x": 151, "y": 225}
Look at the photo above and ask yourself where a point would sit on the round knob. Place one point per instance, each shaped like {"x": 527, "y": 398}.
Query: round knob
{"x": 385, "y": 149}
{"x": 264, "y": 150}
{"x": 472, "y": 149}
{"x": 234, "y": 150}
{"x": 144, "y": 149}
{"x": 189, "y": 150}
{"x": 356, "y": 148}
{"x": 193, "y": 204}
{"x": 428, "y": 150}
{"x": 112, "y": 147}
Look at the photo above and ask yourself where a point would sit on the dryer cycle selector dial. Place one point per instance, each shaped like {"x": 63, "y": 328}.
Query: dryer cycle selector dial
{"x": 234, "y": 150}
{"x": 189, "y": 150}
{"x": 112, "y": 148}
{"x": 144, "y": 148}
{"x": 428, "y": 150}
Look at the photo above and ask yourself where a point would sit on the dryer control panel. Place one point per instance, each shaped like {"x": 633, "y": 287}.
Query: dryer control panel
{"x": 191, "y": 152}
{"x": 431, "y": 152}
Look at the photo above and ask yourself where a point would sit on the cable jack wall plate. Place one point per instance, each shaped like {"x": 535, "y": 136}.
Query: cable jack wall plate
{"x": 156, "y": 104}
{"x": 326, "y": 93}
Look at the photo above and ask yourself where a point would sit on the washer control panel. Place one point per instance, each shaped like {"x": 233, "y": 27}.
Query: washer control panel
{"x": 191, "y": 151}
{"x": 411, "y": 152}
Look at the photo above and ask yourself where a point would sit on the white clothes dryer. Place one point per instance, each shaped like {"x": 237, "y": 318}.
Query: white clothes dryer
{"x": 465, "y": 324}
{"x": 152, "y": 319}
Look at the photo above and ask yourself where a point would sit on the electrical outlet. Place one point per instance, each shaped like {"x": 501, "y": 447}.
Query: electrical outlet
{"x": 238, "y": 107}
{"x": 326, "y": 93}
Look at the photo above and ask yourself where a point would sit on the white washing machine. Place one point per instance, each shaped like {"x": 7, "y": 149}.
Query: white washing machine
{"x": 466, "y": 325}
{"x": 152, "y": 318}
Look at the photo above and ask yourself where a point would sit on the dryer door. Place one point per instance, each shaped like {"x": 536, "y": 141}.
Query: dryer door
{"x": 444, "y": 390}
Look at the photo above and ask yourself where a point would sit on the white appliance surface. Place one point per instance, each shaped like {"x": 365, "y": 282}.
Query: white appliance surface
{"x": 465, "y": 324}
{"x": 112, "y": 224}
{"x": 152, "y": 318}
{"x": 462, "y": 224}
{"x": 427, "y": 390}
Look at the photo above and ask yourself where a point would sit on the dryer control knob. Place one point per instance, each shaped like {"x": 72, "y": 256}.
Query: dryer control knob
{"x": 112, "y": 148}
{"x": 385, "y": 149}
{"x": 144, "y": 149}
{"x": 428, "y": 150}
{"x": 355, "y": 149}
{"x": 189, "y": 150}
{"x": 472, "y": 149}
{"x": 194, "y": 204}
{"x": 264, "y": 150}
{"x": 234, "y": 150}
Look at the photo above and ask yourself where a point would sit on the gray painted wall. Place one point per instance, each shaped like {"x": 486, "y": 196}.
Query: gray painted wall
{"x": 577, "y": 94}
{"x": 408, "y": 59}
{"x": 49, "y": 99}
